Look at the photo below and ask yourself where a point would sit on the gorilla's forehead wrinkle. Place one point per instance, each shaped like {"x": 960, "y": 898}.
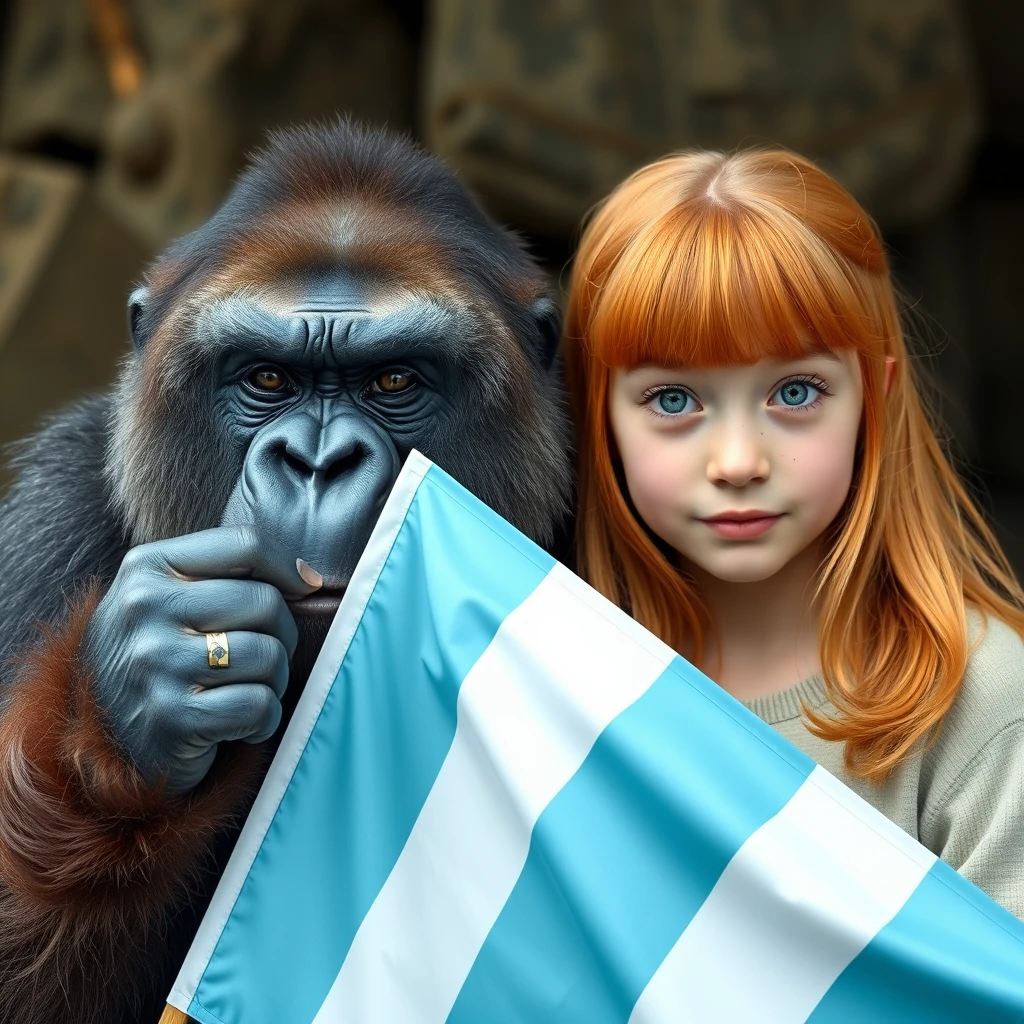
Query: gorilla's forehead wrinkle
{"x": 317, "y": 204}
{"x": 362, "y": 235}
{"x": 324, "y": 331}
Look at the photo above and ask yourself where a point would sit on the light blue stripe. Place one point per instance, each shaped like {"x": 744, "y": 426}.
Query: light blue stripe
{"x": 201, "y": 1014}
{"x": 627, "y": 852}
{"x": 950, "y": 956}
{"x": 371, "y": 759}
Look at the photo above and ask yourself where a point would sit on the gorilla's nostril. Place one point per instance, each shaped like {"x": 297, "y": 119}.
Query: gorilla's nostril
{"x": 343, "y": 465}
{"x": 298, "y": 466}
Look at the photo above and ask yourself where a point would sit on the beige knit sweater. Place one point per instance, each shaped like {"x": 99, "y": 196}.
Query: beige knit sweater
{"x": 964, "y": 797}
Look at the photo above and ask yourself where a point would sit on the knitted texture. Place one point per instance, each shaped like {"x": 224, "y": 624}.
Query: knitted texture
{"x": 962, "y": 797}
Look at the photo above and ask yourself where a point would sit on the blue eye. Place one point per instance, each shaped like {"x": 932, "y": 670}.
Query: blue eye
{"x": 671, "y": 401}
{"x": 801, "y": 394}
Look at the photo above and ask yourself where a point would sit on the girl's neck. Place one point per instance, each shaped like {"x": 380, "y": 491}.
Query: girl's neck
{"x": 768, "y": 630}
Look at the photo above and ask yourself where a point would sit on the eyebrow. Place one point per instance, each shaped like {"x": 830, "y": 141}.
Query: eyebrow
{"x": 813, "y": 353}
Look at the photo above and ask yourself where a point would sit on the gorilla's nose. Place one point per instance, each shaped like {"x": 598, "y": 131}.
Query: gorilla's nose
{"x": 318, "y": 488}
{"x": 328, "y": 462}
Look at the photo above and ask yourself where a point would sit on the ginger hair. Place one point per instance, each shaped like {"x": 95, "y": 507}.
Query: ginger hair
{"x": 710, "y": 259}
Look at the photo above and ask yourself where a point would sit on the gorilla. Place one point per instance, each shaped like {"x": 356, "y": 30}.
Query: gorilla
{"x": 348, "y": 302}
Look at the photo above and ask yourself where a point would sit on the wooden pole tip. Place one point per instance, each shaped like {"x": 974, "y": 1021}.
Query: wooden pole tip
{"x": 172, "y": 1015}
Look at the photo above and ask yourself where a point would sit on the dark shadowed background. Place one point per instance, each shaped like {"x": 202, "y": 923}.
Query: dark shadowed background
{"x": 122, "y": 123}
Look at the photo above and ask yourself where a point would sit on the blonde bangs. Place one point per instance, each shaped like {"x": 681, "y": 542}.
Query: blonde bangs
{"x": 706, "y": 285}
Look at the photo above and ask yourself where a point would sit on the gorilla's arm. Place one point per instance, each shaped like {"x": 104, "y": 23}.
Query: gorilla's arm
{"x": 90, "y": 858}
{"x": 57, "y": 530}
{"x": 349, "y": 302}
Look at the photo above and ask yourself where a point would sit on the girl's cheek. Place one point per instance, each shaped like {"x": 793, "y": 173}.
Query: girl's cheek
{"x": 825, "y": 467}
{"x": 652, "y": 475}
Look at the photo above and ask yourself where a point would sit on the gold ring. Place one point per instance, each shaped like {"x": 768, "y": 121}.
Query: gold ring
{"x": 217, "y": 650}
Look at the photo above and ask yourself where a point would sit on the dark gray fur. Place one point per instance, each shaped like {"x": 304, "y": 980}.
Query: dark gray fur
{"x": 93, "y": 482}
{"x": 162, "y": 478}
{"x": 58, "y": 526}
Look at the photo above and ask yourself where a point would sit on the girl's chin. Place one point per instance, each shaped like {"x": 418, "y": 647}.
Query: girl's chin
{"x": 733, "y": 567}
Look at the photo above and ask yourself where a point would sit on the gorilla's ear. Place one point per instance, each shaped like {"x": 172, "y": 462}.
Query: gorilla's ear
{"x": 136, "y": 306}
{"x": 548, "y": 318}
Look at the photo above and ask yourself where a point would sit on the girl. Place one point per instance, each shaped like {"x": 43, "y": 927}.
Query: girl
{"x": 761, "y": 488}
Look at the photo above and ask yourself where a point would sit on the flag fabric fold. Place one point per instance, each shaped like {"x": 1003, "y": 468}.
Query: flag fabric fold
{"x": 501, "y": 800}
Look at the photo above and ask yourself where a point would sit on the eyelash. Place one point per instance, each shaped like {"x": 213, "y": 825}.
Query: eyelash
{"x": 651, "y": 393}
{"x": 816, "y": 382}
{"x": 805, "y": 378}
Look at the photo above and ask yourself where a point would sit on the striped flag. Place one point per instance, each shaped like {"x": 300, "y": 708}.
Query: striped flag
{"x": 502, "y": 801}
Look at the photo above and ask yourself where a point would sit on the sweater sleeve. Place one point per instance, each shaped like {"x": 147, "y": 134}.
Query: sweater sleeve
{"x": 976, "y": 824}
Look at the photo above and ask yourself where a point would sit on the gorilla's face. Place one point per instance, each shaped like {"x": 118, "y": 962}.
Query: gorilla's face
{"x": 348, "y": 303}
{"x": 314, "y": 386}
{"x": 324, "y": 387}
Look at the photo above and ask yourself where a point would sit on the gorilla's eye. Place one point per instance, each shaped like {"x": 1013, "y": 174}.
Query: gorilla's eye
{"x": 392, "y": 381}
{"x": 266, "y": 378}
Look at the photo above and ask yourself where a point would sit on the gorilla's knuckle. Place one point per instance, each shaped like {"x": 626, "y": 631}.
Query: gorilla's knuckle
{"x": 279, "y": 658}
{"x": 250, "y": 543}
{"x": 165, "y": 707}
{"x": 264, "y": 601}
{"x": 266, "y": 699}
{"x": 179, "y": 661}
{"x": 178, "y": 605}
{"x": 262, "y": 653}
{"x": 190, "y": 715}
{"x": 265, "y": 705}
{"x": 137, "y": 560}
{"x": 137, "y": 600}
{"x": 157, "y": 661}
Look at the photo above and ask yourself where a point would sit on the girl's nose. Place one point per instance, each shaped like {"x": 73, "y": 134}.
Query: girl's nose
{"x": 738, "y": 456}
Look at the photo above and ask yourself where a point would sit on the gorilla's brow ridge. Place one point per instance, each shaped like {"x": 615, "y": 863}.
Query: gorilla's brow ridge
{"x": 301, "y": 335}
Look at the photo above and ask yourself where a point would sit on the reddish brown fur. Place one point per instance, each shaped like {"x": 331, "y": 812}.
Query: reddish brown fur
{"x": 90, "y": 856}
{"x": 92, "y": 861}
{"x": 392, "y": 245}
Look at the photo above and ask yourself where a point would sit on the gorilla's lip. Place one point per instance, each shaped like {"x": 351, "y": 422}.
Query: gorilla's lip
{"x": 324, "y": 601}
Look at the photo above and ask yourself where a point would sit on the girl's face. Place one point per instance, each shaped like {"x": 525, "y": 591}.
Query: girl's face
{"x": 774, "y": 438}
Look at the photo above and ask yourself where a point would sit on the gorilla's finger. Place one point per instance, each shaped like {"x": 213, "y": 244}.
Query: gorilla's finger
{"x": 232, "y": 552}
{"x": 220, "y": 606}
{"x": 242, "y": 711}
{"x": 252, "y": 658}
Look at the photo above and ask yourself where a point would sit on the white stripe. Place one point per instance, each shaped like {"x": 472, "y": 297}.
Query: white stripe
{"x": 307, "y": 710}
{"x": 555, "y": 674}
{"x": 799, "y": 900}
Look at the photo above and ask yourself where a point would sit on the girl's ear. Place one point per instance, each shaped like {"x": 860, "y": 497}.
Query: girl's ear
{"x": 890, "y": 369}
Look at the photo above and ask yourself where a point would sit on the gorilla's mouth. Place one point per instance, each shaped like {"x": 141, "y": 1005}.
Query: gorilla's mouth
{"x": 324, "y": 601}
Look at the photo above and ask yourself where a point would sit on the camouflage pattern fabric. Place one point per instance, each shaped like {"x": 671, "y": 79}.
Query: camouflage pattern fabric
{"x": 545, "y": 105}
{"x": 66, "y": 266}
{"x": 217, "y": 74}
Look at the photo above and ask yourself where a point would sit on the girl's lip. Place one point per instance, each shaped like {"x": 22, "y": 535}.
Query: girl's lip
{"x": 737, "y": 529}
{"x": 739, "y": 517}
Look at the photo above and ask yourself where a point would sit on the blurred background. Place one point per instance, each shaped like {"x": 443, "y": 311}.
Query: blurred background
{"x": 123, "y": 123}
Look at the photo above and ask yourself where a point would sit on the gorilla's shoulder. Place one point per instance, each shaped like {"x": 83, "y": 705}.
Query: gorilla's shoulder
{"x": 61, "y": 464}
{"x": 64, "y": 441}
{"x": 58, "y": 524}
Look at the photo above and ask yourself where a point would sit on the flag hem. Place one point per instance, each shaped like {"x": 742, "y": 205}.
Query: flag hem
{"x": 339, "y": 637}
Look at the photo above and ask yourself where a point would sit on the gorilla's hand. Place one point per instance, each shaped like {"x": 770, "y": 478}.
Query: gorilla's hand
{"x": 146, "y": 649}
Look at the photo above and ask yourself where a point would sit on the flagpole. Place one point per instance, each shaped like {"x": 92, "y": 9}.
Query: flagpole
{"x": 172, "y": 1015}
